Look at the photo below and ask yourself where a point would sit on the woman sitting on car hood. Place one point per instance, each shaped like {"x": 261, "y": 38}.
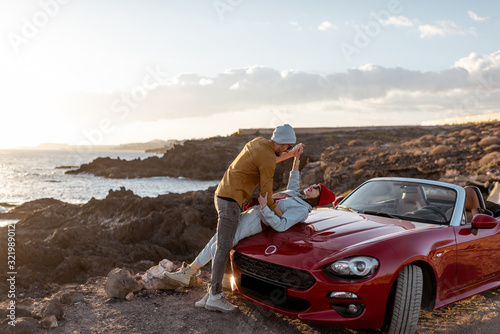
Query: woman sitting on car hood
{"x": 294, "y": 204}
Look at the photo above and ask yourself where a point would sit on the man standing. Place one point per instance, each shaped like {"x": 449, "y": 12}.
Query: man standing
{"x": 255, "y": 164}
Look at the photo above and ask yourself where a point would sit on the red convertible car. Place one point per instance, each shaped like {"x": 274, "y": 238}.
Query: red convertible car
{"x": 390, "y": 248}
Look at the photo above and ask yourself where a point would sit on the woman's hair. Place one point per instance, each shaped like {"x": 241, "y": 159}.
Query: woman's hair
{"x": 312, "y": 201}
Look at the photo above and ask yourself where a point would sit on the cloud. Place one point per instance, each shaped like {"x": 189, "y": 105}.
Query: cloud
{"x": 327, "y": 25}
{"x": 442, "y": 29}
{"x": 477, "y": 63}
{"x": 398, "y": 21}
{"x": 205, "y": 81}
{"x": 263, "y": 88}
{"x": 477, "y": 18}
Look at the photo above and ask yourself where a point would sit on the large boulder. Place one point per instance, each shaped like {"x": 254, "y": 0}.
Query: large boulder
{"x": 120, "y": 282}
{"x": 490, "y": 140}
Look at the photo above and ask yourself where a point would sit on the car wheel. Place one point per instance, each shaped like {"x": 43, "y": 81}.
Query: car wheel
{"x": 407, "y": 300}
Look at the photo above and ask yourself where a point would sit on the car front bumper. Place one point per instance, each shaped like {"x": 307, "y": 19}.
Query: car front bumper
{"x": 315, "y": 304}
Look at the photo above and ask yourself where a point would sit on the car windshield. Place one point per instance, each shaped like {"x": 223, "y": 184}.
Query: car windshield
{"x": 415, "y": 201}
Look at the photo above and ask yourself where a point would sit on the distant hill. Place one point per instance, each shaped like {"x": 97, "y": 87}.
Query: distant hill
{"x": 59, "y": 146}
{"x": 154, "y": 146}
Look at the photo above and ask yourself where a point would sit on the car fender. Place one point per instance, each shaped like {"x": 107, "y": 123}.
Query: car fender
{"x": 434, "y": 247}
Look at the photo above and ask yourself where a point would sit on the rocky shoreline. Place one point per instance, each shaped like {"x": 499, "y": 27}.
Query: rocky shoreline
{"x": 341, "y": 158}
{"x": 59, "y": 243}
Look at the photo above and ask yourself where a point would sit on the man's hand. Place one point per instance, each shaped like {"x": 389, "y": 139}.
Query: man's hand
{"x": 263, "y": 201}
{"x": 297, "y": 150}
{"x": 292, "y": 153}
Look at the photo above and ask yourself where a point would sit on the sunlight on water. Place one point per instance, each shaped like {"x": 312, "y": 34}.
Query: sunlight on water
{"x": 30, "y": 175}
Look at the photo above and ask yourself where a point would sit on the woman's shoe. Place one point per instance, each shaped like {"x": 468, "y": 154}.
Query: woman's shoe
{"x": 183, "y": 275}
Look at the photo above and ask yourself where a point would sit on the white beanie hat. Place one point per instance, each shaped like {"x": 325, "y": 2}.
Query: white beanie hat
{"x": 284, "y": 134}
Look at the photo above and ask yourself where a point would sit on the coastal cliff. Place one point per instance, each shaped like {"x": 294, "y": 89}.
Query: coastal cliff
{"x": 340, "y": 158}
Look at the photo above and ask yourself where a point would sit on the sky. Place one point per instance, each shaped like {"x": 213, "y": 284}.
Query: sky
{"x": 100, "y": 72}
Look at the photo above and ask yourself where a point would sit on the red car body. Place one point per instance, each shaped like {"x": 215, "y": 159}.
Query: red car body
{"x": 285, "y": 272}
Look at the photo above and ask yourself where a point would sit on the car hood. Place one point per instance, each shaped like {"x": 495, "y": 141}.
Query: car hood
{"x": 332, "y": 230}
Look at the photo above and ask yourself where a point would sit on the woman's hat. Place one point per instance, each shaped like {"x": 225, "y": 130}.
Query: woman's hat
{"x": 326, "y": 196}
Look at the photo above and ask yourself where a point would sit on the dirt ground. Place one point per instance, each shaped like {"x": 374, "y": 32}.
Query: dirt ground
{"x": 157, "y": 311}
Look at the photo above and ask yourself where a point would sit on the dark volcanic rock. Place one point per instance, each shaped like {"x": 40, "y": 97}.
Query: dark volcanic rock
{"x": 405, "y": 152}
{"x": 412, "y": 151}
{"x": 68, "y": 243}
{"x": 198, "y": 159}
{"x": 208, "y": 159}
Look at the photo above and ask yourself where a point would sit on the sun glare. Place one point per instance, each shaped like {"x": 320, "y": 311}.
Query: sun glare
{"x": 29, "y": 105}
{"x": 30, "y": 120}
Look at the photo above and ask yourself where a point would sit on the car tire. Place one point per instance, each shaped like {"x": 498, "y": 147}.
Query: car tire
{"x": 407, "y": 301}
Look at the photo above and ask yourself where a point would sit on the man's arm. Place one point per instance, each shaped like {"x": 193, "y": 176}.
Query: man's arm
{"x": 291, "y": 153}
{"x": 277, "y": 211}
{"x": 281, "y": 223}
{"x": 266, "y": 186}
{"x": 266, "y": 171}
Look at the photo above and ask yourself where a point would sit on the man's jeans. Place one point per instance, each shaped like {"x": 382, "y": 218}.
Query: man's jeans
{"x": 228, "y": 213}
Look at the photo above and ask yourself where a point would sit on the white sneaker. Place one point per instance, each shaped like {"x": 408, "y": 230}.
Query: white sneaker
{"x": 219, "y": 303}
{"x": 202, "y": 301}
{"x": 183, "y": 275}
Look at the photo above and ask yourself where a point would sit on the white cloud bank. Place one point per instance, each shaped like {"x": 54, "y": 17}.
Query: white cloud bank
{"x": 439, "y": 29}
{"x": 477, "y": 18}
{"x": 471, "y": 86}
{"x": 398, "y": 21}
{"x": 327, "y": 25}
{"x": 442, "y": 29}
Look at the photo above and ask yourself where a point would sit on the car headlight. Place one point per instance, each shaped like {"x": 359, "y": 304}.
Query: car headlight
{"x": 357, "y": 267}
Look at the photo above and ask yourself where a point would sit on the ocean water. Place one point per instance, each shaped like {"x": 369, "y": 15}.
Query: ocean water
{"x": 26, "y": 175}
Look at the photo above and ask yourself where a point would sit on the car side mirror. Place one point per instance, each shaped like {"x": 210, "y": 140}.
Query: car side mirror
{"x": 337, "y": 200}
{"x": 483, "y": 221}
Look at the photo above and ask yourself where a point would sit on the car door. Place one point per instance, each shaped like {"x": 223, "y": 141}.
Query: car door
{"x": 477, "y": 255}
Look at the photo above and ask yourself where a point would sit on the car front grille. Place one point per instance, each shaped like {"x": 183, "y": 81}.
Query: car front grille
{"x": 275, "y": 297}
{"x": 286, "y": 276}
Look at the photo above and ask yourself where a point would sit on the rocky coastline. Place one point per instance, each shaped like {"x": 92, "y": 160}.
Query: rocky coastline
{"x": 340, "y": 158}
{"x": 59, "y": 243}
